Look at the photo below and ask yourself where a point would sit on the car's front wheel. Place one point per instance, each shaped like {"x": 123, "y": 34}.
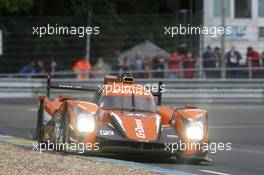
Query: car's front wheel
{"x": 61, "y": 131}
{"x": 40, "y": 127}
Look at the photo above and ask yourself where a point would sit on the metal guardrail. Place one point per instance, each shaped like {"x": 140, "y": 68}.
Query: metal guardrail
{"x": 182, "y": 90}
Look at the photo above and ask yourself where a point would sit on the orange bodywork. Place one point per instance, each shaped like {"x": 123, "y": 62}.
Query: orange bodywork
{"x": 133, "y": 125}
{"x": 192, "y": 115}
{"x": 85, "y": 106}
{"x": 166, "y": 114}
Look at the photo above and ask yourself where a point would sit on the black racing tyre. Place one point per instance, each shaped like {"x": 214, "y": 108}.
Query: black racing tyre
{"x": 188, "y": 161}
{"x": 193, "y": 161}
{"x": 61, "y": 131}
{"x": 66, "y": 130}
{"x": 39, "y": 129}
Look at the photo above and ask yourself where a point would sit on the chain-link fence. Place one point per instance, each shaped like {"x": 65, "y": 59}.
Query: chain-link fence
{"x": 21, "y": 46}
{"x": 117, "y": 37}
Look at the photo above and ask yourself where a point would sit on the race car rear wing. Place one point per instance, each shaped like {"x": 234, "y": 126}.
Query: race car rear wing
{"x": 89, "y": 89}
{"x": 66, "y": 86}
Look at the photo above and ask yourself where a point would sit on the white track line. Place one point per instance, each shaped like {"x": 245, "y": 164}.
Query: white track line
{"x": 214, "y": 172}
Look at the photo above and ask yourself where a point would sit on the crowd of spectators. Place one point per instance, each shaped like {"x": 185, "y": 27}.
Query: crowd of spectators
{"x": 160, "y": 66}
{"x": 236, "y": 65}
{"x": 38, "y": 68}
{"x": 174, "y": 66}
{"x": 187, "y": 66}
{"x": 179, "y": 66}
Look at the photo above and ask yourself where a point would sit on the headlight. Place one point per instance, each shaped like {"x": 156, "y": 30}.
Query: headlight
{"x": 195, "y": 130}
{"x": 86, "y": 122}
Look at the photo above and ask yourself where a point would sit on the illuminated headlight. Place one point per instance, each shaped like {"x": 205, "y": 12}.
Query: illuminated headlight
{"x": 86, "y": 122}
{"x": 195, "y": 130}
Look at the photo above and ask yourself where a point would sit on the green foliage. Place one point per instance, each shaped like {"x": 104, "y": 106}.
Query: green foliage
{"x": 123, "y": 23}
{"x": 14, "y": 6}
{"x": 82, "y": 7}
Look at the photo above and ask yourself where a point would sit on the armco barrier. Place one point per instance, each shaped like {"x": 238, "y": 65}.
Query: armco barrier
{"x": 189, "y": 91}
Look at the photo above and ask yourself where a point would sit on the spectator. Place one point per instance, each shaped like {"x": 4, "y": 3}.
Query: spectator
{"x": 158, "y": 64}
{"x": 147, "y": 67}
{"x": 209, "y": 62}
{"x": 82, "y": 69}
{"x": 174, "y": 65}
{"x": 116, "y": 67}
{"x": 52, "y": 67}
{"x": 262, "y": 58}
{"x": 189, "y": 63}
{"x": 217, "y": 55}
{"x": 40, "y": 67}
{"x": 115, "y": 64}
{"x": 253, "y": 59}
{"x": 138, "y": 64}
{"x": 126, "y": 65}
{"x": 233, "y": 58}
{"x": 100, "y": 68}
{"x": 28, "y": 70}
{"x": 262, "y": 64}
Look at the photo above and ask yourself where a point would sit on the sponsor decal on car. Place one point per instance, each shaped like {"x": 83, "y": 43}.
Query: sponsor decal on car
{"x": 139, "y": 129}
{"x": 135, "y": 114}
{"x": 46, "y": 118}
{"x": 105, "y": 132}
{"x": 172, "y": 136}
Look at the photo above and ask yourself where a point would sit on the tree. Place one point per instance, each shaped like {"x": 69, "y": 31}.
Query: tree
{"x": 15, "y": 6}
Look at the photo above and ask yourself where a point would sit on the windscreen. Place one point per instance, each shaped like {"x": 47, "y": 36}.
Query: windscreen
{"x": 131, "y": 103}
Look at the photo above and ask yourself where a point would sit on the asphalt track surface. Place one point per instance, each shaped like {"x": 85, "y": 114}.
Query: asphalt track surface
{"x": 242, "y": 125}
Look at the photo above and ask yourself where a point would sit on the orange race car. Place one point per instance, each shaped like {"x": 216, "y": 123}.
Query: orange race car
{"x": 123, "y": 118}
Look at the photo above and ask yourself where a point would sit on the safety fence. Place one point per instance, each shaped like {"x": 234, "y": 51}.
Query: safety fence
{"x": 181, "y": 73}
{"x": 22, "y": 45}
{"x": 176, "y": 91}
